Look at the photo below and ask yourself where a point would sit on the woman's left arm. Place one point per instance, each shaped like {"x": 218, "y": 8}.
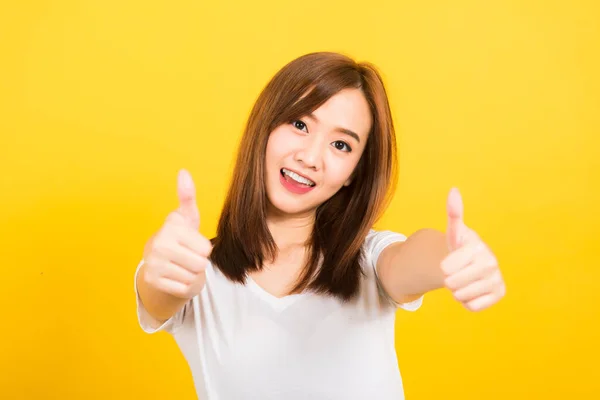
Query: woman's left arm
{"x": 457, "y": 260}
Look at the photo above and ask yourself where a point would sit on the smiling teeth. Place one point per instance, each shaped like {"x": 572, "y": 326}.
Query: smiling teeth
{"x": 298, "y": 178}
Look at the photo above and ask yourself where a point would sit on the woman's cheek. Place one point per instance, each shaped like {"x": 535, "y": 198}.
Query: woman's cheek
{"x": 341, "y": 170}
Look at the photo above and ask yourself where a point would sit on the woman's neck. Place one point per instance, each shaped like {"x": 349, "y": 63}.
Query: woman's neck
{"x": 291, "y": 232}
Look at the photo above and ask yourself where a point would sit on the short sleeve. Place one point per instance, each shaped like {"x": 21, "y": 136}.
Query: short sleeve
{"x": 375, "y": 243}
{"x": 147, "y": 322}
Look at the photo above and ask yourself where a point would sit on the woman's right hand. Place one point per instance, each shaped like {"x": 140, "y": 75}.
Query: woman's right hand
{"x": 176, "y": 256}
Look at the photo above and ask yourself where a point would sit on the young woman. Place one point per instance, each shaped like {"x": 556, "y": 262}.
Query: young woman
{"x": 295, "y": 298}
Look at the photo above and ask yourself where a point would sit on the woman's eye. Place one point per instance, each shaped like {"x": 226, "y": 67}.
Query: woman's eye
{"x": 300, "y": 125}
{"x": 343, "y": 146}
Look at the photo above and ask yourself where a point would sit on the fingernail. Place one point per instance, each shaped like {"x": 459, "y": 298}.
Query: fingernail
{"x": 184, "y": 179}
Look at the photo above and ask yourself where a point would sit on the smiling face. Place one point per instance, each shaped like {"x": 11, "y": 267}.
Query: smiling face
{"x": 311, "y": 158}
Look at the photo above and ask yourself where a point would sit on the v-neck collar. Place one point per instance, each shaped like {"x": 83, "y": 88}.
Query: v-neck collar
{"x": 277, "y": 303}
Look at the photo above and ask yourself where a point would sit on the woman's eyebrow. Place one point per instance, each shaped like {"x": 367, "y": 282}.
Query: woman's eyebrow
{"x": 338, "y": 128}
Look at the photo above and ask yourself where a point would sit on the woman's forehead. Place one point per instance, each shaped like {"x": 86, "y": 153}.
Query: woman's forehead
{"x": 346, "y": 109}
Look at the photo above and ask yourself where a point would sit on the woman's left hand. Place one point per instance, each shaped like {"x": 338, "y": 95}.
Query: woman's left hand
{"x": 471, "y": 270}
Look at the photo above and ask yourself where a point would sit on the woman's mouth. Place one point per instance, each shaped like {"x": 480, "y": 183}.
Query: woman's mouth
{"x": 294, "y": 182}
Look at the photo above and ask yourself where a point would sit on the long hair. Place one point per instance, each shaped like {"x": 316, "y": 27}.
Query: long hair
{"x": 243, "y": 240}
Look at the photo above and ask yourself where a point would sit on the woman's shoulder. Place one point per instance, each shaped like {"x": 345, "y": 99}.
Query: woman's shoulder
{"x": 377, "y": 240}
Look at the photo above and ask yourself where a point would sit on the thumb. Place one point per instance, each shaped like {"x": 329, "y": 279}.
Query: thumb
{"x": 456, "y": 227}
{"x": 186, "y": 193}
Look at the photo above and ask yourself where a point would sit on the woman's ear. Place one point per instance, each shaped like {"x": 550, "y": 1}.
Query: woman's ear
{"x": 349, "y": 181}
{"x": 353, "y": 174}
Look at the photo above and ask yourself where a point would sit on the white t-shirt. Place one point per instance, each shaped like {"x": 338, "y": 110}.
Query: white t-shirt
{"x": 243, "y": 343}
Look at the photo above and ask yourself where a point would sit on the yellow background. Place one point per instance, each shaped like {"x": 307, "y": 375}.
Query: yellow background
{"x": 101, "y": 102}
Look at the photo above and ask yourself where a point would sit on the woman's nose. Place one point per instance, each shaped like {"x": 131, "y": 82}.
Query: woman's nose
{"x": 311, "y": 153}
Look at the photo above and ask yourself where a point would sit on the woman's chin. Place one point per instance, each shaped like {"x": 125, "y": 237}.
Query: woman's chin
{"x": 289, "y": 209}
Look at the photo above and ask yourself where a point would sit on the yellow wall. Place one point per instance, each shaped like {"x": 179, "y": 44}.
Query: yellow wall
{"x": 101, "y": 102}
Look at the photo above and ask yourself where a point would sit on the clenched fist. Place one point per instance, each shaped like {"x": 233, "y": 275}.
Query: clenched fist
{"x": 175, "y": 258}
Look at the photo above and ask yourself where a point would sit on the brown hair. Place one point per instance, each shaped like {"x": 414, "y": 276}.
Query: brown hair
{"x": 342, "y": 222}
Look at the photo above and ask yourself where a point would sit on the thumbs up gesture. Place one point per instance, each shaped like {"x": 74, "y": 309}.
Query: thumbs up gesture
{"x": 471, "y": 269}
{"x": 176, "y": 256}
